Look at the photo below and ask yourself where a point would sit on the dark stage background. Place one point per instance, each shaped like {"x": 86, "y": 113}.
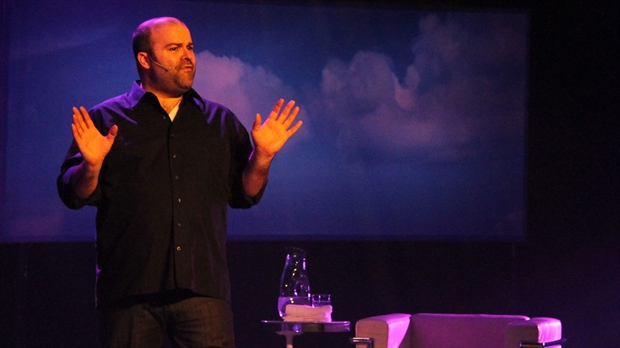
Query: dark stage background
{"x": 568, "y": 266}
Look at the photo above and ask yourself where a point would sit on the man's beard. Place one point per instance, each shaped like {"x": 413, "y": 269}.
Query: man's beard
{"x": 184, "y": 79}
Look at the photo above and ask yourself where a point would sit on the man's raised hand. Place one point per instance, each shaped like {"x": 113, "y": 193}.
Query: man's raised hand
{"x": 271, "y": 135}
{"x": 93, "y": 145}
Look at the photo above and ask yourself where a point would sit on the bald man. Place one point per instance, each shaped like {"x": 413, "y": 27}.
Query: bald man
{"x": 162, "y": 164}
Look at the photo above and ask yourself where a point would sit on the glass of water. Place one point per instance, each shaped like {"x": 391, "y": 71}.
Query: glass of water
{"x": 319, "y": 300}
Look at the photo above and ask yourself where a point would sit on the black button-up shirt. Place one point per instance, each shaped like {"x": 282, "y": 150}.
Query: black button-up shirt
{"x": 163, "y": 195}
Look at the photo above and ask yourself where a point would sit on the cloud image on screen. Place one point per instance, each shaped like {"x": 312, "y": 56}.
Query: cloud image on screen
{"x": 414, "y": 121}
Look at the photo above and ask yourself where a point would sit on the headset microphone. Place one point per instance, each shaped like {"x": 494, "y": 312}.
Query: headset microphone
{"x": 161, "y": 66}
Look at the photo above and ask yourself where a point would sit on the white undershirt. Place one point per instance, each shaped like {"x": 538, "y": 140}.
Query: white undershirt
{"x": 173, "y": 112}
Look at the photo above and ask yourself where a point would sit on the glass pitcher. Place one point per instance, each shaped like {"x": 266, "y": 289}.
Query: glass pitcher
{"x": 294, "y": 284}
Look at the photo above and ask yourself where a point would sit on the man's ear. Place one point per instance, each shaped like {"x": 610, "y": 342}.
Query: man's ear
{"x": 143, "y": 60}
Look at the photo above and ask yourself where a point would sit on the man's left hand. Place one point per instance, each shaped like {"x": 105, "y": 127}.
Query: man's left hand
{"x": 269, "y": 137}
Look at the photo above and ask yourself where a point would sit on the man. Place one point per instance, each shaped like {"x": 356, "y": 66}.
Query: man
{"x": 162, "y": 165}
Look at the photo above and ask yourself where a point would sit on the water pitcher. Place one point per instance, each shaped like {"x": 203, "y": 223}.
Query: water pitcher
{"x": 294, "y": 284}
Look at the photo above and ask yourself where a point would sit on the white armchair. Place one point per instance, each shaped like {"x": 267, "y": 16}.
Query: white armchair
{"x": 428, "y": 330}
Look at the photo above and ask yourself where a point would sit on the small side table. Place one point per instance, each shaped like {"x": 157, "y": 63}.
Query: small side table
{"x": 290, "y": 329}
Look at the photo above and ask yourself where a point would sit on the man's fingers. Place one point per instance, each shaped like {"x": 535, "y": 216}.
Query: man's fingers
{"x": 275, "y": 113}
{"x": 257, "y": 122}
{"x": 276, "y": 109}
{"x": 113, "y": 131}
{"x": 89, "y": 123}
{"x": 295, "y": 128}
{"x": 289, "y": 120}
{"x": 81, "y": 118}
{"x": 287, "y": 109}
{"x": 76, "y": 134}
{"x": 286, "y": 117}
{"x": 78, "y": 121}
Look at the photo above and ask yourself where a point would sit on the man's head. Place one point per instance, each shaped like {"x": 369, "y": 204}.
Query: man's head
{"x": 165, "y": 57}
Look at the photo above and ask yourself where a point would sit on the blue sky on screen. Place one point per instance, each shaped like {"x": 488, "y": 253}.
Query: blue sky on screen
{"x": 414, "y": 122}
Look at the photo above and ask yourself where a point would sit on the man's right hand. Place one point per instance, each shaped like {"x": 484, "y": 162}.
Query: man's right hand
{"x": 93, "y": 145}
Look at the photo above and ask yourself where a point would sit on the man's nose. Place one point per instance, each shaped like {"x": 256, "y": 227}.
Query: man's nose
{"x": 188, "y": 54}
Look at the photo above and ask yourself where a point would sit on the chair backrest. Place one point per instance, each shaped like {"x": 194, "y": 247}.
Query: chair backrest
{"x": 460, "y": 330}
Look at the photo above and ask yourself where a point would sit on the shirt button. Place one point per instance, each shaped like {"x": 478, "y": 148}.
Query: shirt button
{"x": 178, "y": 248}
{"x": 178, "y": 224}
{"x": 176, "y": 177}
{"x": 174, "y": 155}
{"x": 179, "y": 200}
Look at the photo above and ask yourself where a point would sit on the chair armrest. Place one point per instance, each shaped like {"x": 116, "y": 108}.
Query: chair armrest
{"x": 536, "y": 332}
{"x": 387, "y": 331}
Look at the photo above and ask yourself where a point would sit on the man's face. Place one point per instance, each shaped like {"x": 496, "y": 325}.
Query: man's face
{"x": 173, "y": 48}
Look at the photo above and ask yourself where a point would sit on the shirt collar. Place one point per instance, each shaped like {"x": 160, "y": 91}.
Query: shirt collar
{"x": 137, "y": 93}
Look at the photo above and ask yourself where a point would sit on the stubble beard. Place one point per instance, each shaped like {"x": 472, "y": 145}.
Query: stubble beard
{"x": 184, "y": 79}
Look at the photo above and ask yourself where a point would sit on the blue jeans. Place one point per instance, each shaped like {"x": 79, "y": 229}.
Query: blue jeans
{"x": 193, "y": 322}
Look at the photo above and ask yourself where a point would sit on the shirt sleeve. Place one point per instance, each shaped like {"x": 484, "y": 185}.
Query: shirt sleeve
{"x": 241, "y": 151}
{"x": 63, "y": 182}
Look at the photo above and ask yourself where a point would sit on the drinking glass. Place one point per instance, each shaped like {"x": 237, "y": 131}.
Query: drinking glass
{"x": 319, "y": 300}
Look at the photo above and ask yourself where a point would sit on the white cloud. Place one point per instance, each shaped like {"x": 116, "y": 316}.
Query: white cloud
{"x": 454, "y": 93}
{"x": 244, "y": 89}
{"x": 375, "y": 111}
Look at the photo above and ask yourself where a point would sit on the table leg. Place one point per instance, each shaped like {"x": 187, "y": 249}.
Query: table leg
{"x": 289, "y": 335}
